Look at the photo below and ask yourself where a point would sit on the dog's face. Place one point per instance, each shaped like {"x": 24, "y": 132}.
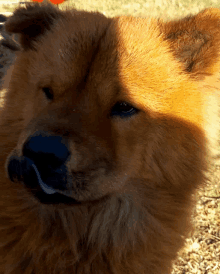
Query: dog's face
{"x": 103, "y": 107}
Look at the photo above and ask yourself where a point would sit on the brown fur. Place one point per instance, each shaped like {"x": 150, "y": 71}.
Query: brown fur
{"x": 138, "y": 173}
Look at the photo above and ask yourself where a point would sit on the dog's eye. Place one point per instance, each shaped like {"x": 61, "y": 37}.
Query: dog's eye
{"x": 123, "y": 109}
{"x": 48, "y": 92}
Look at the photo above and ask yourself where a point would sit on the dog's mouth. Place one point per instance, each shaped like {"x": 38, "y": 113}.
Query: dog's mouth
{"x": 47, "y": 189}
{"x": 22, "y": 169}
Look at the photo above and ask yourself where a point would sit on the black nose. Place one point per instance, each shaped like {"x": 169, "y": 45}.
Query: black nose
{"x": 47, "y": 151}
{"x": 49, "y": 154}
{"x": 42, "y": 163}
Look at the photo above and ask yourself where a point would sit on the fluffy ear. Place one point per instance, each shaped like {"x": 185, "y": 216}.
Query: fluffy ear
{"x": 195, "y": 41}
{"x": 32, "y": 21}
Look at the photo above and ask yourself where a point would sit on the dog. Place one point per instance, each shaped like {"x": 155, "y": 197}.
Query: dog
{"x": 106, "y": 131}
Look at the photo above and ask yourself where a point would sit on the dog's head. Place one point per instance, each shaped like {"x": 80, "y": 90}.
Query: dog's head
{"x": 108, "y": 106}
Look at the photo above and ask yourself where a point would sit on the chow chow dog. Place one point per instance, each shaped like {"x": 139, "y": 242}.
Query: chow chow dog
{"x": 106, "y": 132}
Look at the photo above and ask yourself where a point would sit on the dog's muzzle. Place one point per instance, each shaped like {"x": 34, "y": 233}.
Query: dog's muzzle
{"x": 42, "y": 165}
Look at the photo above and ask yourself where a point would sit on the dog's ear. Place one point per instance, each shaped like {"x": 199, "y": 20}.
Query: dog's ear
{"x": 195, "y": 41}
{"x": 32, "y": 21}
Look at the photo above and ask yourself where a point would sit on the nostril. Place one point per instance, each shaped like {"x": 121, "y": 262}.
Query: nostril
{"x": 48, "y": 150}
{"x": 15, "y": 171}
{"x": 21, "y": 169}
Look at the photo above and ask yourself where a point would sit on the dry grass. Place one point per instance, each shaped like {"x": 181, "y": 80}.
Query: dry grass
{"x": 201, "y": 254}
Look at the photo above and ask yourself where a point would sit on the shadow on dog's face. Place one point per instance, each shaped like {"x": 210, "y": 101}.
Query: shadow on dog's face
{"x": 66, "y": 151}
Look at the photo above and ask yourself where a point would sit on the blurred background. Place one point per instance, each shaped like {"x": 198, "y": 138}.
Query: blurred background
{"x": 157, "y": 8}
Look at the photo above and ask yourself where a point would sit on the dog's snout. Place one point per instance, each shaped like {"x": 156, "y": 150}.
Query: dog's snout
{"x": 42, "y": 164}
{"x": 46, "y": 150}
